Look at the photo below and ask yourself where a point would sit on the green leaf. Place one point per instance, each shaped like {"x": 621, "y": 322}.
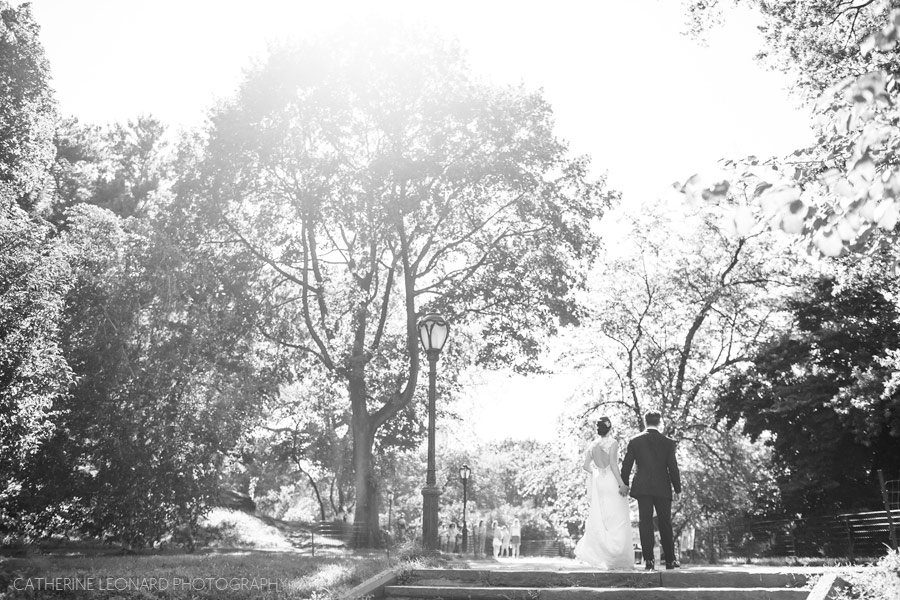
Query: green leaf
{"x": 760, "y": 188}
{"x": 867, "y": 45}
{"x": 867, "y": 210}
{"x": 887, "y": 214}
{"x": 717, "y": 191}
{"x": 863, "y": 171}
{"x": 828, "y": 242}
{"x": 742, "y": 220}
{"x": 793, "y": 216}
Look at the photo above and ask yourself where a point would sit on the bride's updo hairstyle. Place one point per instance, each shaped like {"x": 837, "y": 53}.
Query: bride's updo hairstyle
{"x": 604, "y": 425}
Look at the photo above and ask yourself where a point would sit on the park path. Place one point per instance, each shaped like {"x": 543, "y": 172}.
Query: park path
{"x": 562, "y": 564}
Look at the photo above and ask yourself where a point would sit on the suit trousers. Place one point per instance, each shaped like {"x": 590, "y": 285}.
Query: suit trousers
{"x": 663, "y": 506}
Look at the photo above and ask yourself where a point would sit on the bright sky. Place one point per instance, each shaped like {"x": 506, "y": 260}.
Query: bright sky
{"x": 648, "y": 104}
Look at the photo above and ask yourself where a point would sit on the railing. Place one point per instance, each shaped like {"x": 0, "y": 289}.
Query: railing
{"x": 324, "y": 536}
{"x": 548, "y": 548}
{"x": 849, "y": 535}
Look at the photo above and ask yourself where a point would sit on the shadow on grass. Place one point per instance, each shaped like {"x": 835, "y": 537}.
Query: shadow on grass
{"x": 238, "y": 557}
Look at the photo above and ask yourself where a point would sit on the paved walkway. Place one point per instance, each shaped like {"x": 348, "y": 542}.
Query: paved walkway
{"x": 539, "y": 563}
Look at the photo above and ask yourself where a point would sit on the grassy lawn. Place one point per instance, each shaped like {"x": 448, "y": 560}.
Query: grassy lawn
{"x": 242, "y": 558}
{"x": 244, "y": 575}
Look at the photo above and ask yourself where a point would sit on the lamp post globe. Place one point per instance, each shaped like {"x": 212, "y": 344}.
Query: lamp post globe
{"x": 464, "y": 472}
{"x": 433, "y": 333}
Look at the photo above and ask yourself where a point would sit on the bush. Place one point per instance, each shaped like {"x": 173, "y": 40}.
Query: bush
{"x": 880, "y": 582}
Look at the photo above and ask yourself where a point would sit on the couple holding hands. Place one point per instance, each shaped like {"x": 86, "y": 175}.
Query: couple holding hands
{"x": 606, "y": 543}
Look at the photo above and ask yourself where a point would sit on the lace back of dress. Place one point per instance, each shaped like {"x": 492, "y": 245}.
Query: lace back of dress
{"x": 600, "y": 452}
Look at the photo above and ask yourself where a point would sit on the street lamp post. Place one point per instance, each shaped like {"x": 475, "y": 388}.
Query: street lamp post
{"x": 433, "y": 333}
{"x": 464, "y": 472}
{"x": 390, "y": 509}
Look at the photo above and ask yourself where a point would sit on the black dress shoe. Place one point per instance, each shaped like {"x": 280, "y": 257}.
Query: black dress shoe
{"x": 648, "y": 565}
{"x": 673, "y": 565}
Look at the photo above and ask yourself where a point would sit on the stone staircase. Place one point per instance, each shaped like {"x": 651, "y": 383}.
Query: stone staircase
{"x": 476, "y": 584}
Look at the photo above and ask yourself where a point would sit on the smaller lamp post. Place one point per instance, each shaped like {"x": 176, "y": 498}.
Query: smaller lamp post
{"x": 390, "y": 508}
{"x": 464, "y": 472}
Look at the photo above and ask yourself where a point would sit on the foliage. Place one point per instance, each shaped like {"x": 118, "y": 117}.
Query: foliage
{"x": 304, "y": 434}
{"x": 378, "y": 181}
{"x": 34, "y": 279}
{"x": 27, "y": 107}
{"x": 34, "y": 275}
{"x": 680, "y": 302}
{"x": 727, "y": 477}
{"x": 672, "y": 323}
{"x": 826, "y": 393}
{"x": 129, "y": 358}
{"x": 880, "y": 582}
{"x": 121, "y": 167}
{"x": 158, "y": 400}
{"x": 514, "y": 478}
{"x": 843, "y": 193}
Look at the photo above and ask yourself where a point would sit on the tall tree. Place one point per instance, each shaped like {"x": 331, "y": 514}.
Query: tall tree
{"x": 34, "y": 279}
{"x": 164, "y": 383}
{"x": 34, "y": 275}
{"x": 373, "y": 180}
{"x": 842, "y": 194}
{"x": 681, "y": 301}
{"x": 824, "y": 396}
{"x": 121, "y": 167}
{"x": 27, "y": 107}
{"x": 146, "y": 332}
{"x": 678, "y": 304}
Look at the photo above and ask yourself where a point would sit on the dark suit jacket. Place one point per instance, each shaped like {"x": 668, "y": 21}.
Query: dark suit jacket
{"x": 657, "y": 470}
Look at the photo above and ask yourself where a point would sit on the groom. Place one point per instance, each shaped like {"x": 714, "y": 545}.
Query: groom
{"x": 657, "y": 473}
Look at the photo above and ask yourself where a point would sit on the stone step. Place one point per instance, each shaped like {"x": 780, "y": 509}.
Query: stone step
{"x": 412, "y": 592}
{"x": 617, "y": 579}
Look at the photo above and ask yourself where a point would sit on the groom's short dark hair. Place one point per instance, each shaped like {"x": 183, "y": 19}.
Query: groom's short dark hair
{"x": 652, "y": 419}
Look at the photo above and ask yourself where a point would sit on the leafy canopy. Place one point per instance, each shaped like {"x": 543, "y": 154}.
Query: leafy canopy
{"x": 842, "y": 194}
{"x": 824, "y": 395}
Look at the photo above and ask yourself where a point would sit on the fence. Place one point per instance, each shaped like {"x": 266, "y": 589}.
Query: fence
{"x": 324, "y": 536}
{"x": 851, "y": 536}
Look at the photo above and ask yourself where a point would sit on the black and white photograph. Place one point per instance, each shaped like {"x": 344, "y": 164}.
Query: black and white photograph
{"x": 398, "y": 299}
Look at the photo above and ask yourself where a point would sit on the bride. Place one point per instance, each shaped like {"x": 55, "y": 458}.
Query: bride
{"x": 606, "y": 543}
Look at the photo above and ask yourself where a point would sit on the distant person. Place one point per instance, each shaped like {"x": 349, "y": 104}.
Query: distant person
{"x": 515, "y": 537}
{"x": 443, "y": 536}
{"x": 453, "y": 538}
{"x": 657, "y": 475}
{"x": 401, "y": 527}
{"x": 480, "y": 534}
{"x": 504, "y": 541}
{"x": 498, "y": 539}
{"x": 387, "y": 537}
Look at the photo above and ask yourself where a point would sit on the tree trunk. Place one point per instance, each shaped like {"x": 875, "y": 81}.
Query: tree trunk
{"x": 366, "y": 532}
{"x": 312, "y": 482}
{"x": 334, "y": 507}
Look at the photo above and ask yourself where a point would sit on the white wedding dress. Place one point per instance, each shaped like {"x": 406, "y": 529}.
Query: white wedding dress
{"x": 606, "y": 543}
